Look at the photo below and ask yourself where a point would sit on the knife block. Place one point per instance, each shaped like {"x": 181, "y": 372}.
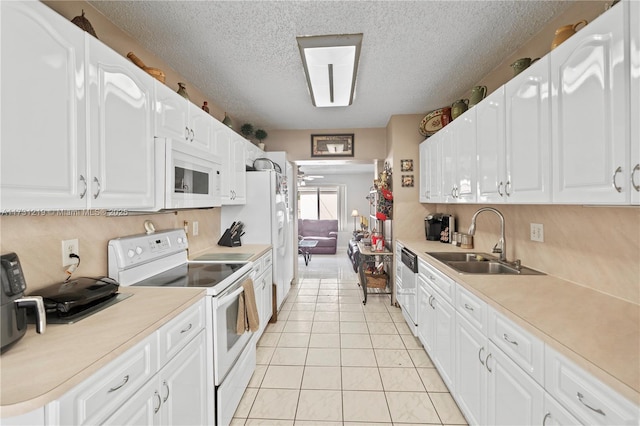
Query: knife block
{"x": 227, "y": 241}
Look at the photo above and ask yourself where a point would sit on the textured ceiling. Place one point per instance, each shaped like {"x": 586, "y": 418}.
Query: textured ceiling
{"x": 416, "y": 55}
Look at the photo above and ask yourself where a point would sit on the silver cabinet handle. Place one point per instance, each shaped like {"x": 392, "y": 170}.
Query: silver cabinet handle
{"x": 486, "y": 362}
{"x": 193, "y": 135}
{"x": 544, "y": 421}
{"x": 597, "y": 410}
{"x": 467, "y": 307}
{"x": 83, "y": 180}
{"x": 505, "y": 337}
{"x": 187, "y": 328}
{"x": 186, "y": 133}
{"x": 480, "y": 355}
{"x": 613, "y": 179}
{"x": 156, "y": 409}
{"x": 633, "y": 177}
{"x": 500, "y": 189}
{"x": 124, "y": 382}
{"x": 166, "y": 386}
{"x": 431, "y": 299}
{"x": 506, "y": 188}
{"x": 453, "y": 192}
{"x": 95, "y": 179}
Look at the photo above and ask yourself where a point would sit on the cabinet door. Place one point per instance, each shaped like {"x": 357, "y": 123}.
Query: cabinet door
{"x": 201, "y": 128}
{"x": 590, "y": 136}
{"x": 555, "y": 414}
{"x": 635, "y": 100}
{"x": 445, "y": 340}
{"x": 490, "y": 144}
{"x": 426, "y": 316}
{"x": 170, "y": 114}
{"x": 239, "y": 170}
{"x": 424, "y": 184}
{"x": 528, "y": 127}
{"x": 513, "y": 398}
{"x": 143, "y": 408}
{"x": 434, "y": 170}
{"x": 464, "y": 140}
{"x": 121, "y": 148}
{"x": 448, "y": 162}
{"x": 43, "y": 162}
{"x": 183, "y": 386}
{"x": 223, "y": 149}
{"x": 470, "y": 371}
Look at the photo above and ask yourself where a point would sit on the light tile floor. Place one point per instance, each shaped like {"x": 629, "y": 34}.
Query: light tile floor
{"x": 330, "y": 360}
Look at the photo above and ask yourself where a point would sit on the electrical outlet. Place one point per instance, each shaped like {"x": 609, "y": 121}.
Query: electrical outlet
{"x": 195, "y": 228}
{"x": 68, "y": 247}
{"x": 537, "y": 232}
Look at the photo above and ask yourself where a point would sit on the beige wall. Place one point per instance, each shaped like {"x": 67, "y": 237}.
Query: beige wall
{"x": 37, "y": 240}
{"x": 369, "y": 144}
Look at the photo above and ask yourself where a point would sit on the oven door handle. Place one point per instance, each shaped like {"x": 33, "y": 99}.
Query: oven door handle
{"x": 225, "y": 297}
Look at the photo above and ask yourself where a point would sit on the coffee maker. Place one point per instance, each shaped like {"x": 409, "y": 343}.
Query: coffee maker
{"x": 433, "y": 226}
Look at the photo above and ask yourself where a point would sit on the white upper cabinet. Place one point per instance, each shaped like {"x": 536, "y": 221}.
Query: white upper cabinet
{"x": 431, "y": 169}
{"x": 179, "y": 119}
{"x": 491, "y": 147}
{"x": 43, "y": 141}
{"x": 590, "y": 129}
{"x": 231, "y": 148}
{"x": 528, "y": 135}
{"x": 448, "y": 164}
{"x": 463, "y": 138}
{"x": 635, "y": 99}
{"x": 121, "y": 136}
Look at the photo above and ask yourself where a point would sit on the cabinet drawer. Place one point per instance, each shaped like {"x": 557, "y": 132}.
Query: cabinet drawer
{"x": 267, "y": 260}
{"x": 179, "y": 331}
{"x": 590, "y": 400}
{"x": 95, "y": 399}
{"x": 524, "y": 349}
{"x": 257, "y": 268}
{"x": 442, "y": 283}
{"x": 471, "y": 308}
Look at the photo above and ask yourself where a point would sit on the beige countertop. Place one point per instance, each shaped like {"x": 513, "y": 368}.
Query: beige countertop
{"x": 598, "y": 332}
{"x": 40, "y": 368}
{"x": 257, "y": 250}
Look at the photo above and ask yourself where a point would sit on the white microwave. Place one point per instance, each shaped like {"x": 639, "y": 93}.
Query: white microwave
{"x": 191, "y": 176}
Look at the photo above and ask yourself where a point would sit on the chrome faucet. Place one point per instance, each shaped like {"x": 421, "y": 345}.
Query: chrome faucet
{"x": 501, "y": 245}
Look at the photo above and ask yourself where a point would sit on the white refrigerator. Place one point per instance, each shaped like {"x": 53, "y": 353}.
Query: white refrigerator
{"x": 266, "y": 221}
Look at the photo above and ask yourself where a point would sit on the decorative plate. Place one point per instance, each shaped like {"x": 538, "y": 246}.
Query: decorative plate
{"x": 435, "y": 121}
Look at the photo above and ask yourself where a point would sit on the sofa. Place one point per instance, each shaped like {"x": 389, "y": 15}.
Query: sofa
{"x": 324, "y": 231}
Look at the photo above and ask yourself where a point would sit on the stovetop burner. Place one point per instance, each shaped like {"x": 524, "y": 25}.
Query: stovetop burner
{"x": 192, "y": 275}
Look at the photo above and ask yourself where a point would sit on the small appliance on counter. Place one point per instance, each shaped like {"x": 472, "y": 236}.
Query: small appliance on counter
{"x": 13, "y": 315}
{"x": 70, "y": 301}
{"x": 433, "y": 226}
{"x": 448, "y": 228}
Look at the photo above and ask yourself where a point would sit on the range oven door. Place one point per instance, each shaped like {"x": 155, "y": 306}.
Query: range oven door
{"x": 192, "y": 178}
{"x": 227, "y": 344}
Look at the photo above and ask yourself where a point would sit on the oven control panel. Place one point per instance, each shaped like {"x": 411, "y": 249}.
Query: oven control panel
{"x": 137, "y": 249}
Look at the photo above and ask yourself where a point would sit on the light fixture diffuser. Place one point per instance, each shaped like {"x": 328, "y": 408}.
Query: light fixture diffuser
{"x": 330, "y": 65}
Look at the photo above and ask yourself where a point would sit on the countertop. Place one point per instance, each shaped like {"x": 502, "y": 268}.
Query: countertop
{"x": 600, "y": 333}
{"x": 40, "y": 368}
{"x": 257, "y": 250}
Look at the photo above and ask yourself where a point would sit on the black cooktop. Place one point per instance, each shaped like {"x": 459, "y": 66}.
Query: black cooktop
{"x": 192, "y": 275}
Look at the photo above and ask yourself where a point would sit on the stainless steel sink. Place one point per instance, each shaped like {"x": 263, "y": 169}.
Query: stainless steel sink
{"x": 461, "y": 257}
{"x": 480, "y": 263}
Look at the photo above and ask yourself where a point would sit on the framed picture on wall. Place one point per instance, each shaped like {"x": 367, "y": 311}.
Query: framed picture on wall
{"x": 336, "y": 145}
{"x": 406, "y": 165}
{"x": 407, "y": 181}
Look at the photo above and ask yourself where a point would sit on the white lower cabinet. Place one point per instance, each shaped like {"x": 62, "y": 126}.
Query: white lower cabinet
{"x": 436, "y": 328}
{"x": 175, "y": 396}
{"x": 555, "y": 414}
{"x": 471, "y": 374}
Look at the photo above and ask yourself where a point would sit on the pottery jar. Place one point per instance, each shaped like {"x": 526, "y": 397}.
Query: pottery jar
{"x": 477, "y": 94}
{"x": 565, "y": 32}
{"x": 458, "y": 107}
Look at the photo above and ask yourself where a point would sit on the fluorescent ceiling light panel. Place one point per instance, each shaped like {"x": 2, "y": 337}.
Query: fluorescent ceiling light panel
{"x": 330, "y": 65}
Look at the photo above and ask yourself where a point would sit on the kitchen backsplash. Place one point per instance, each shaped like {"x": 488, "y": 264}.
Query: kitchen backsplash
{"x": 597, "y": 247}
{"x": 37, "y": 239}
